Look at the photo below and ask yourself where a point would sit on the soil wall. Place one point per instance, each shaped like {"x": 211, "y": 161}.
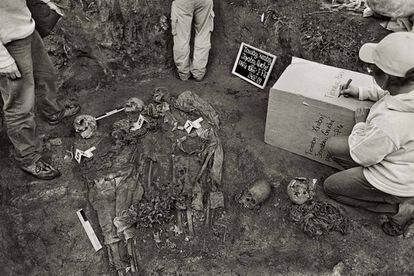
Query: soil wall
{"x": 116, "y": 37}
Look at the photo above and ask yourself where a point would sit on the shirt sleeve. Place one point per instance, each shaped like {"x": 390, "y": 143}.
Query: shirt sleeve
{"x": 5, "y": 57}
{"x": 373, "y": 93}
{"x": 369, "y": 145}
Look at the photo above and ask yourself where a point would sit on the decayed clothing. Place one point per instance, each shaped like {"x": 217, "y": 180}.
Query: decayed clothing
{"x": 182, "y": 14}
{"x": 384, "y": 144}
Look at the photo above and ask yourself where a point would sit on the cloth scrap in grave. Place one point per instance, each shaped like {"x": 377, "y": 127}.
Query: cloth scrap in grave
{"x": 316, "y": 218}
{"x": 188, "y": 101}
{"x": 113, "y": 197}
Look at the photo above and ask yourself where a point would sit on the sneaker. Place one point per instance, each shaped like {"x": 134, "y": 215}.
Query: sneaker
{"x": 68, "y": 111}
{"x": 42, "y": 170}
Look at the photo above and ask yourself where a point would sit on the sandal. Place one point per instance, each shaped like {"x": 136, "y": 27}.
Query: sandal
{"x": 68, "y": 111}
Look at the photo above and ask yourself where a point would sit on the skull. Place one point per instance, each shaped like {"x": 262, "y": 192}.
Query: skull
{"x": 134, "y": 105}
{"x": 85, "y": 125}
{"x": 301, "y": 189}
{"x": 257, "y": 193}
{"x": 159, "y": 94}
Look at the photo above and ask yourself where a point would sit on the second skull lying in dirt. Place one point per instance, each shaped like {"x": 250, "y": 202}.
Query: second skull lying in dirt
{"x": 85, "y": 125}
{"x": 301, "y": 189}
{"x": 257, "y": 193}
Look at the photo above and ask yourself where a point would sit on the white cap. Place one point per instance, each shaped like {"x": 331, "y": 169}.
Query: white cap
{"x": 394, "y": 54}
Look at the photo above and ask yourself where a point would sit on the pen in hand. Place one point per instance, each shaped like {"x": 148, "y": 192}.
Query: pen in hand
{"x": 344, "y": 87}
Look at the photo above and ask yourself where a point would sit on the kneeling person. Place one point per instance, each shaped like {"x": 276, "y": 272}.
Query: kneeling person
{"x": 380, "y": 149}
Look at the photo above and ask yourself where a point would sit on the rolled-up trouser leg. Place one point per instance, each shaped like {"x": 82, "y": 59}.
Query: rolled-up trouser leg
{"x": 352, "y": 188}
{"x": 204, "y": 25}
{"x": 45, "y": 79}
{"x": 19, "y": 98}
{"x": 181, "y": 20}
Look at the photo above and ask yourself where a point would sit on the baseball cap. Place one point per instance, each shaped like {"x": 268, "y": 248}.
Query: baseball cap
{"x": 394, "y": 54}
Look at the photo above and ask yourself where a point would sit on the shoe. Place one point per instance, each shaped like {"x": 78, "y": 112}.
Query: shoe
{"x": 394, "y": 229}
{"x": 68, "y": 111}
{"x": 184, "y": 77}
{"x": 198, "y": 79}
{"x": 399, "y": 223}
{"x": 42, "y": 170}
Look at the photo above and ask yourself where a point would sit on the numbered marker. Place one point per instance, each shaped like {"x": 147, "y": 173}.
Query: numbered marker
{"x": 78, "y": 155}
{"x": 138, "y": 124}
{"x": 188, "y": 126}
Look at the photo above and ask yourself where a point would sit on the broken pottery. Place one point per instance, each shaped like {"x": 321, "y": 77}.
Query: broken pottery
{"x": 301, "y": 189}
{"x": 257, "y": 193}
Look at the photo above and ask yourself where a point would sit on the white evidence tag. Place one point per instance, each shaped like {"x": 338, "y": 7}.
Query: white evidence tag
{"x": 189, "y": 125}
{"x": 88, "y": 153}
{"x": 196, "y": 124}
{"x": 139, "y": 123}
{"x": 79, "y": 153}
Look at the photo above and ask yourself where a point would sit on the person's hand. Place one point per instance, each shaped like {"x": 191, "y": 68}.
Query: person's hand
{"x": 361, "y": 114}
{"x": 11, "y": 71}
{"x": 53, "y": 6}
{"x": 351, "y": 91}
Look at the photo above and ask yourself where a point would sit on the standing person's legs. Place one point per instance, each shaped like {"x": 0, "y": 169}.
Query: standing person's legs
{"x": 45, "y": 79}
{"x": 19, "y": 98}
{"x": 338, "y": 148}
{"x": 181, "y": 20}
{"x": 46, "y": 84}
{"x": 352, "y": 188}
{"x": 204, "y": 26}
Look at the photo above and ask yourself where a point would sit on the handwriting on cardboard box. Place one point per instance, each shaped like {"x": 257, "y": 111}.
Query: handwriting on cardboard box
{"x": 323, "y": 128}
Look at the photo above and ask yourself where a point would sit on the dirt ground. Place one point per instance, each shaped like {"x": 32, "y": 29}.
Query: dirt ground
{"x": 41, "y": 234}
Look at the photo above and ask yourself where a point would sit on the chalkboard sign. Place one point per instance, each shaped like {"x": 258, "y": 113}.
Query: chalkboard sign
{"x": 253, "y": 65}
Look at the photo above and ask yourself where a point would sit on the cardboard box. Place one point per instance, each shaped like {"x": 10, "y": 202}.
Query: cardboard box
{"x": 304, "y": 109}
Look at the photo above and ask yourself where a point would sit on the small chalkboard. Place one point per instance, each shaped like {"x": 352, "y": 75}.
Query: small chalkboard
{"x": 254, "y": 65}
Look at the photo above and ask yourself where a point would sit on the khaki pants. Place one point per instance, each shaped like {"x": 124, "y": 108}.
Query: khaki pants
{"x": 19, "y": 95}
{"x": 182, "y": 13}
